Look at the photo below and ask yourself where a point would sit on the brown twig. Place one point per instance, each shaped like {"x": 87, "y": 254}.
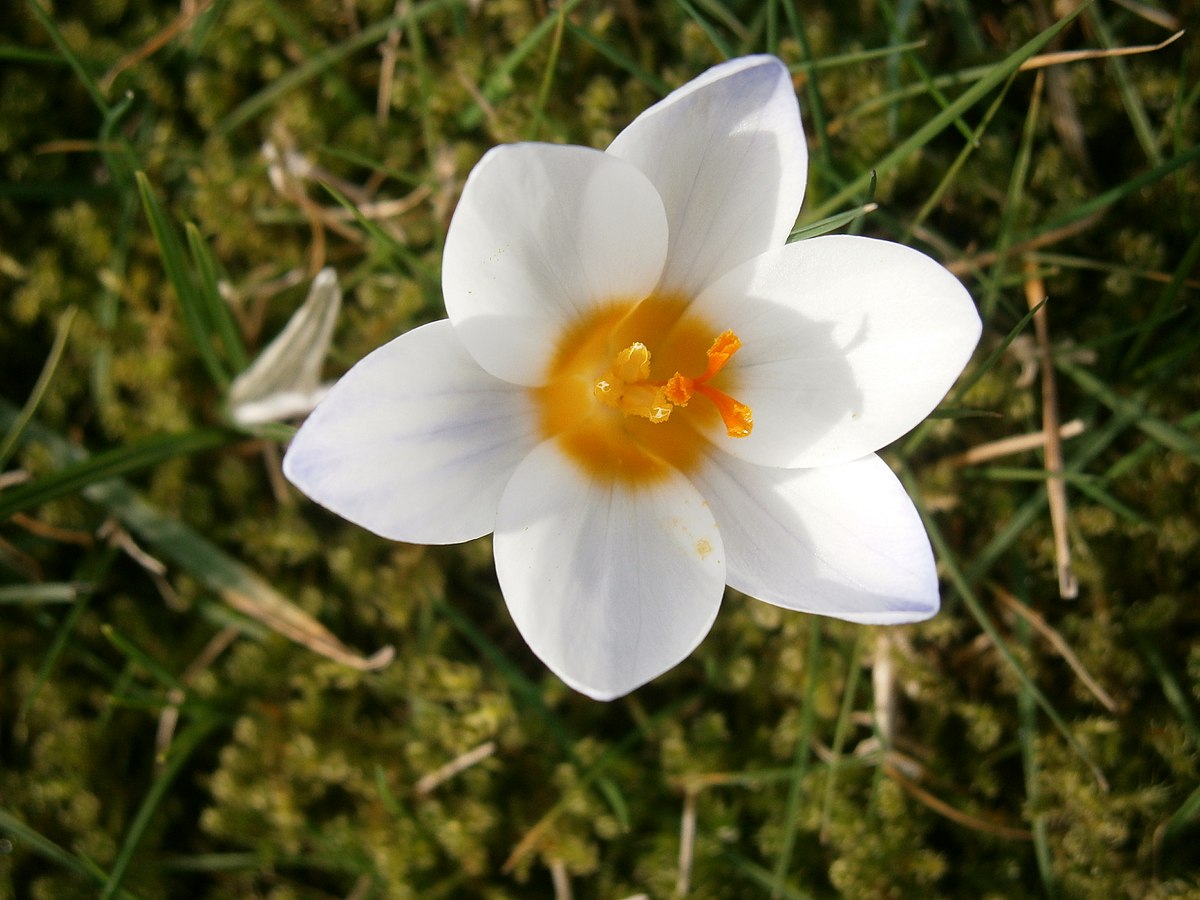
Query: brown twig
{"x": 169, "y": 717}
{"x": 687, "y": 841}
{"x": 460, "y": 763}
{"x": 1056, "y": 487}
{"x": 1060, "y": 645}
{"x": 952, "y": 813}
{"x": 1071, "y": 56}
{"x": 388, "y": 51}
{"x": 561, "y": 880}
{"x": 979, "y": 261}
{"x": 180, "y": 23}
{"x": 1018, "y": 443}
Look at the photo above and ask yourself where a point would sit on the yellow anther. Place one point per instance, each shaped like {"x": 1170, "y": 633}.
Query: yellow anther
{"x": 627, "y": 387}
{"x": 632, "y": 364}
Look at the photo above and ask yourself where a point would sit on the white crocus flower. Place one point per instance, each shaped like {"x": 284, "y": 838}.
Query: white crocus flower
{"x": 647, "y": 395}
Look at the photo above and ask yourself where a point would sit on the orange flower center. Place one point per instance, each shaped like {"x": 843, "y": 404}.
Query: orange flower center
{"x": 611, "y": 402}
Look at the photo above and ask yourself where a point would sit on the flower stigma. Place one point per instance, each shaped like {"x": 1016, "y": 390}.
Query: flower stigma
{"x": 615, "y": 407}
{"x": 628, "y": 387}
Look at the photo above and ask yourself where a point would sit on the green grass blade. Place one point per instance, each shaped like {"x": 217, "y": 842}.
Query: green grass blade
{"x": 1130, "y": 461}
{"x": 113, "y": 463}
{"x": 85, "y": 77}
{"x": 619, "y": 59}
{"x": 853, "y": 670}
{"x": 1107, "y": 198}
{"x": 1164, "y": 306}
{"x": 1088, "y": 448}
{"x": 184, "y": 745}
{"x": 951, "y": 114}
{"x": 791, "y": 815}
{"x": 216, "y": 310}
{"x": 1027, "y": 735}
{"x": 913, "y": 443}
{"x": 135, "y": 654}
{"x": 1013, "y": 202}
{"x": 1187, "y": 813}
{"x": 710, "y": 31}
{"x": 1134, "y": 108}
{"x": 12, "y": 437}
{"x": 973, "y": 143}
{"x": 425, "y": 92}
{"x": 417, "y": 267}
{"x": 765, "y": 879}
{"x": 254, "y": 106}
{"x": 47, "y": 849}
{"x": 501, "y": 76}
{"x": 335, "y": 82}
{"x": 92, "y": 571}
{"x": 181, "y": 278}
{"x": 1176, "y": 694}
{"x": 11, "y": 53}
{"x": 175, "y": 542}
{"x": 537, "y": 119}
{"x": 45, "y": 592}
{"x": 1152, "y": 426}
{"x": 963, "y": 588}
{"x": 831, "y": 223}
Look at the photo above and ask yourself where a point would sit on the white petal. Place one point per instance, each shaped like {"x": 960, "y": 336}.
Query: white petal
{"x": 842, "y": 541}
{"x": 285, "y": 380}
{"x": 542, "y": 235}
{"x": 416, "y": 442}
{"x": 847, "y": 343}
{"x": 727, "y": 153}
{"x": 278, "y": 407}
{"x": 610, "y": 584}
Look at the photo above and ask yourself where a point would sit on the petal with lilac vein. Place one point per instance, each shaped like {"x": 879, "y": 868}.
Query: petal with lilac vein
{"x": 842, "y": 541}
{"x": 416, "y": 442}
{"x": 543, "y": 235}
{"x": 727, "y": 154}
{"x": 847, "y": 343}
{"x": 611, "y": 584}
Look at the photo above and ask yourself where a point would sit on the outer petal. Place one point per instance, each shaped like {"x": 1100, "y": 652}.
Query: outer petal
{"x": 847, "y": 343}
{"x": 542, "y": 235}
{"x": 610, "y": 584}
{"x": 842, "y": 541}
{"x": 416, "y": 442}
{"x": 727, "y": 153}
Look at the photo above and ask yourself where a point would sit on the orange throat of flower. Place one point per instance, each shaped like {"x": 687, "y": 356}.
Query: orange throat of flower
{"x": 613, "y": 408}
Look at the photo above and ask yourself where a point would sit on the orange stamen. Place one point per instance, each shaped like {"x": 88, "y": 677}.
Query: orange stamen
{"x": 726, "y": 344}
{"x": 627, "y": 386}
{"x": 738, "y": 419}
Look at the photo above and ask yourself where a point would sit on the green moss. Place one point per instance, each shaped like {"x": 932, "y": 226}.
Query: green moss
{"x": 307, "y": 786}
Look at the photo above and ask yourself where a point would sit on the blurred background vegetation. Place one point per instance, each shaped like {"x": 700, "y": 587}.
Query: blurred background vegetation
{"x": 196, "y": 692}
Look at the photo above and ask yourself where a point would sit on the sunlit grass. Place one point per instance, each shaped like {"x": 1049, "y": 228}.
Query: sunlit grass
{"x": 209, "y": 687}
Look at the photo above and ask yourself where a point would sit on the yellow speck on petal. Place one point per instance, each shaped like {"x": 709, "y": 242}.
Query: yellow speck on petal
{"x": 703, "y": 547}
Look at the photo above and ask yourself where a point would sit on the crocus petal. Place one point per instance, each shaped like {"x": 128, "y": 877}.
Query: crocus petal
{"x": 611, "y": 584}
{"x": 847, "y": 343}
{"x": 416, "y": 442}
{"x": 842, "y": 541}
{"x": 542, "y": 235}
{"x": 726, "y": 151}
{"x": 285, "y": 379}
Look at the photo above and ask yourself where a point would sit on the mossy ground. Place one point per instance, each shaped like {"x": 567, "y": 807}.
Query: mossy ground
{"x": 152, "y": 736}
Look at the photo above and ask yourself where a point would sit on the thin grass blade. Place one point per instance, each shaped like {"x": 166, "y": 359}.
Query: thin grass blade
{"x": 113, "y": 463}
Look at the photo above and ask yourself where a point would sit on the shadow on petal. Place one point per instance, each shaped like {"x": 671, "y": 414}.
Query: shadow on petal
{"x": 842, "y": 541}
